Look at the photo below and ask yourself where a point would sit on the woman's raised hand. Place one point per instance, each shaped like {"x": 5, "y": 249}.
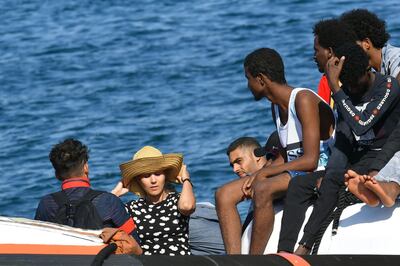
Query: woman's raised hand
{"x": 119, "y": 189}
{"x": 183, "y": 173}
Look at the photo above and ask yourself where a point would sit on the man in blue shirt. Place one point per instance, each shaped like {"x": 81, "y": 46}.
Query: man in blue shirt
{"x": 70, "y": 161}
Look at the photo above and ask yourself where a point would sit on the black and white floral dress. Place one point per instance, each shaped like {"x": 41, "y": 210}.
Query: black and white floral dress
{"x": 162, "y": 229}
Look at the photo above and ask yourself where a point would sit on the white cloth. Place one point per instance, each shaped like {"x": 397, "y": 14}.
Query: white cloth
{"x": 291, "y": 134}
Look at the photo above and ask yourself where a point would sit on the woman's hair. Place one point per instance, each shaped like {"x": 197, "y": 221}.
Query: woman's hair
{"x": 367, "y": 25}
{"x": 266, "y": 61}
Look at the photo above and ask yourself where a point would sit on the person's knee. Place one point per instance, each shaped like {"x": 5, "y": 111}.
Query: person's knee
{"x": 224, "y": 196}
{"x": 263, "y": 194}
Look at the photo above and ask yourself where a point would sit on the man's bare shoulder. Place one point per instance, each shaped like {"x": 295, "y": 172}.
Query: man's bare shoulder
{"x": 306, "y": 97}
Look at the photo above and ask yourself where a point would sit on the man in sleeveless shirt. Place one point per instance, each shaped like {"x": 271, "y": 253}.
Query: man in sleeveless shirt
{"x": 298, "y": 112}
{"x": 329, "y": 35}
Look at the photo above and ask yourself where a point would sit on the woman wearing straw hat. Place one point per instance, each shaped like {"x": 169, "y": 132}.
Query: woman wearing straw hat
{"x": 161, "y": 215}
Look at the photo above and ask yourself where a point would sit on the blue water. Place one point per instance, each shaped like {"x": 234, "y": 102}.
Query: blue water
{"x": 122, "y": 74}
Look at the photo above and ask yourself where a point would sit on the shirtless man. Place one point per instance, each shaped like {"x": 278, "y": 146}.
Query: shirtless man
{"x": 298, "y": 112}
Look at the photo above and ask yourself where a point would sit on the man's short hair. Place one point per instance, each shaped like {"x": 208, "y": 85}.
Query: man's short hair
{"x": 68, "y": 158}
{"x": 266, "y": 61}
{"x": 355, "y": 65}
{"x": 367, "y": 25}
{"x": 243, "y": 142}
{"x": 332, "y": 33}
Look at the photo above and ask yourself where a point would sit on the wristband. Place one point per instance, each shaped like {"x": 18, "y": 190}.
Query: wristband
{"x": 187, "y": 179}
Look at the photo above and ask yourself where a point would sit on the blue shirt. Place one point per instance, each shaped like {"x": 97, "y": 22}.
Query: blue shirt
{"x": 110, "y": 207}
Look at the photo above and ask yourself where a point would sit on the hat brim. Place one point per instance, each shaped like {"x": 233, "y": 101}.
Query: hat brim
{"x": 170, "y": 164}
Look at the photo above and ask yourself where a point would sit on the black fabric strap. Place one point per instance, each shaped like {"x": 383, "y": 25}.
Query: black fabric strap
{"x": 91, "y": 194}
{"x": 60, "y": 198}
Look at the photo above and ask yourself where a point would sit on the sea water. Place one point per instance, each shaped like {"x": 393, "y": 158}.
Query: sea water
{"x": 119, "y": 75}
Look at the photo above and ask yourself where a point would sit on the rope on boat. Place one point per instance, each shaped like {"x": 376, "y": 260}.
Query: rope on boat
{"x": 104, "y": 254}
{"x": 345, "y": 199}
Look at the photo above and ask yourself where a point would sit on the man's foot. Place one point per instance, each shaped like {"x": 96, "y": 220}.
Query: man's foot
{"x": 355, "y": 184}
{"x": 302, "y": 250}
{"x": 387, "y": 192}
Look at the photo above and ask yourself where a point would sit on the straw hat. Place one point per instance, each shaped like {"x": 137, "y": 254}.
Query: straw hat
{"x": 150, "y": 160}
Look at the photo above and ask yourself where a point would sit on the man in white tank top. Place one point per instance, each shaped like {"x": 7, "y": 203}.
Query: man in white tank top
{"x": 305, "y": 124}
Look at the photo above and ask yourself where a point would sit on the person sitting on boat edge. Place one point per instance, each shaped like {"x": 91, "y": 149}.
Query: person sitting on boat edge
{"x": 382, "y": 184}
{"x": 302, "y": 192}
{"x": 305, "y": 125}
{"x": 246, "y": 156}
{"x": 373, "y": 37}
{"x": 70, "y": 161}
{"x": 161, "y": 215}
{"x": 204, "y": 230}
{"x": 328, "y": 36}
{"x": 369, "y": 109}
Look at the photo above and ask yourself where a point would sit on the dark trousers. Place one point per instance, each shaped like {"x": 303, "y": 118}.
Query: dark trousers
{"x": 330, "y": 186}
{"x": 345, "y": 155}
{"x": 302, "y": 192}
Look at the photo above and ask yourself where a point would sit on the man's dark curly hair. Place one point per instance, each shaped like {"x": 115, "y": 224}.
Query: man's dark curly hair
{"x": 332, "y": 33}
{"x": 355, "y": 64}
{"x": 266, "y": 61}
{"x": 367, "y": 25}
{"x": 68, "y": 158}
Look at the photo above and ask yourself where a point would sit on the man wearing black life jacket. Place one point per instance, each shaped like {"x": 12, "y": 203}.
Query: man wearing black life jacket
{"x": 369, "y": 110}
{"x": 77, "y": 204}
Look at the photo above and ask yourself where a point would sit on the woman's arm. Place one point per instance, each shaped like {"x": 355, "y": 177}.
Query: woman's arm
{"x": 119, "y": 190}
{"x": 187, "y": 201}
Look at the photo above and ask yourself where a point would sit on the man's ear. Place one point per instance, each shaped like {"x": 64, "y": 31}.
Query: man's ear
{"x": 330, "y": 52}
{"x": 260, "y": 79}
{"x": 263, "y": 79}
{"x": 366, "y": 44}
{"x": 86, "y": 169}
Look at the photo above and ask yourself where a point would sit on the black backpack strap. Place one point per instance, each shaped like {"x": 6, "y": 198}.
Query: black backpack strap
{"x": 91, "y": 194}
{"x": 60, "y": 198}
{"x": 66, "y": 210}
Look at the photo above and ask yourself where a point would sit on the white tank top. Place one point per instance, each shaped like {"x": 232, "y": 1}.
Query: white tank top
{"x": 291, "y": 134}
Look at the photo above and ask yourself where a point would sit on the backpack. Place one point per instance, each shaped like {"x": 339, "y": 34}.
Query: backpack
{"x": 79, "y": 213}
